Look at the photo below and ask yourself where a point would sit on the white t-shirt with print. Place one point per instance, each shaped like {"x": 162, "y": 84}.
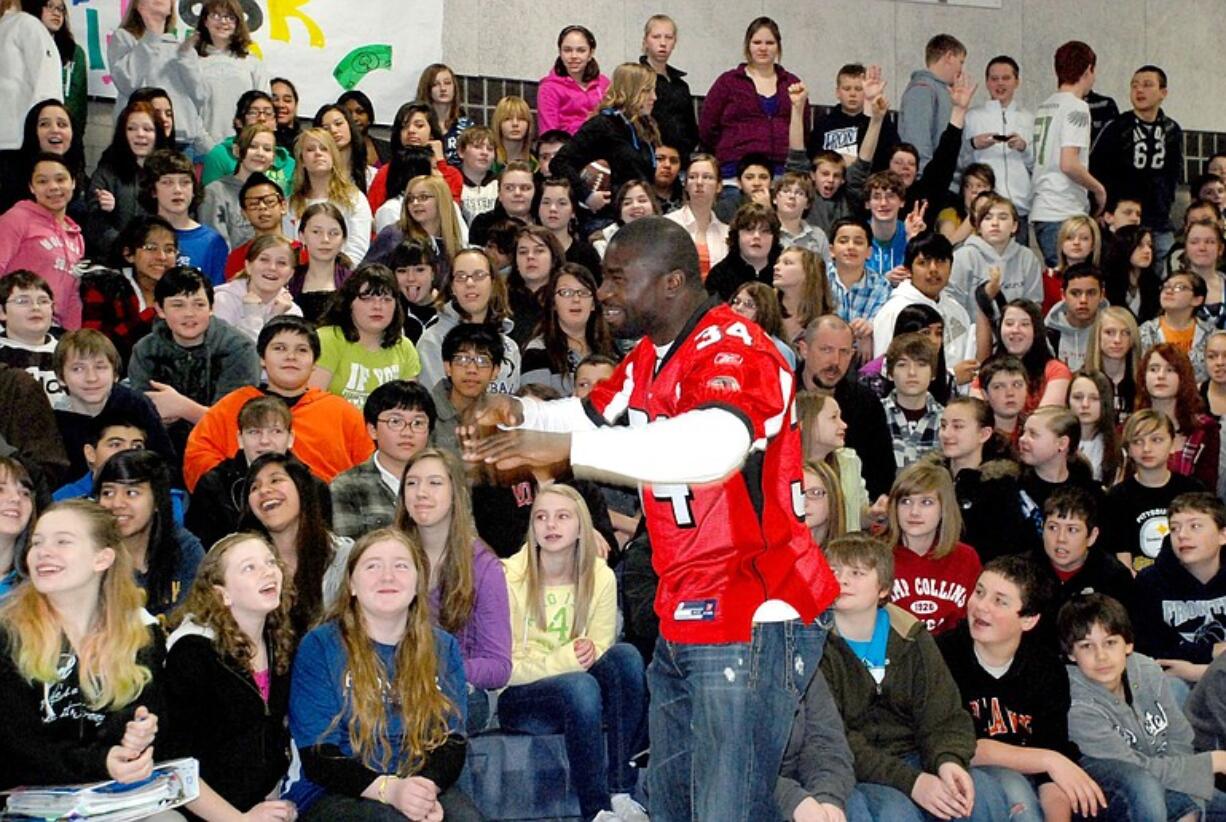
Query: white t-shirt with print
{"x": 1062, "y": 121}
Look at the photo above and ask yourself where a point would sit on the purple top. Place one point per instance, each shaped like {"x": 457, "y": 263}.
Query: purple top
{"x": 735, "y": 120}
{"x": 485, "y": 641}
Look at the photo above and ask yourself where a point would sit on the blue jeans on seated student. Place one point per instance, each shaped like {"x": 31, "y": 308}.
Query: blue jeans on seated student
{"x": 1135, "y": 795}
{"x": 609, "y": 698}
{"x": 887, "y": 803}
{"x": 1021, "y": 793}
{"x": 1048, "y": 237}
{"x": 720, "y": 718}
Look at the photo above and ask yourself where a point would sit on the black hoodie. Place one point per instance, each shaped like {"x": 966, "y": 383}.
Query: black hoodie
{"x": 1102, "y": 573}
{"x": 1177, "y": 616}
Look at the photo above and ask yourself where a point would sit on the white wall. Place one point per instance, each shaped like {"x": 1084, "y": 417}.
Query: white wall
{"x": 516, "y": 39}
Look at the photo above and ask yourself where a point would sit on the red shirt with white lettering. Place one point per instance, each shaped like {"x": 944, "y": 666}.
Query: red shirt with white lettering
{"x": 935, "y": 591}
{"x": 722, "y": 548}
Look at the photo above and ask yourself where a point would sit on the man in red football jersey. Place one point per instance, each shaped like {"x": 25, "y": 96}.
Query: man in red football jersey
{"x": 713, "y": 444}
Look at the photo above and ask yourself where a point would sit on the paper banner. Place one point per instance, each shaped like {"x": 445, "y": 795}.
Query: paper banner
{"x": 324, "y": 46}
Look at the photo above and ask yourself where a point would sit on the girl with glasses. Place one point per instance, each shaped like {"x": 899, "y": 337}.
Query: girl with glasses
{"x": 474, "y": 294}
{"x": 227, "y": 67}
{"x": 571, "y": 328}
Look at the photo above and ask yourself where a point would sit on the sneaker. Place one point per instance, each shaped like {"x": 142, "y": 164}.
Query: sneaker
{"x": 606, "y": 816}
{"x": 627, "y": 810}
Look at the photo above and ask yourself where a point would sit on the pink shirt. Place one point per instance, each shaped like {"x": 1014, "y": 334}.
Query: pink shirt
{"x": 263, "y": 681}
{"x": 562, "y": 104}
{"x": 32, "y": 238}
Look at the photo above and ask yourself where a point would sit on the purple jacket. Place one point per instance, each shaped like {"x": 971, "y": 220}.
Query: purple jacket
{"x": 733, "y": 122}
{"x": 485, "y": 641}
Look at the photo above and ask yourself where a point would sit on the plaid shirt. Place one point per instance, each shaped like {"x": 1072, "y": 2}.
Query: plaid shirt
{"x": 863, "y": 299}
{"x": 361, "y": 501}
{"x": 1199, "y": 456}
{"x": 912, "y": 439}
{"x": 110, "y": 304}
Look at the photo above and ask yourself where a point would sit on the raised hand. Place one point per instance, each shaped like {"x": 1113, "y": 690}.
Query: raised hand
{"x": 799, "y": 95}
{"x": 874, "y": 84}
{"x": 914, "y": 224}
{"x": 962, "y": 91}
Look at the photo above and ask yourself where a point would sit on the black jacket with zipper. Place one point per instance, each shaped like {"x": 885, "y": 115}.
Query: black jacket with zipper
{"x": 242, "y": 743}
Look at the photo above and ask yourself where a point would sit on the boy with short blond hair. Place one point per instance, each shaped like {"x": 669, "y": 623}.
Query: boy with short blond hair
{"x": 911, "y": 739}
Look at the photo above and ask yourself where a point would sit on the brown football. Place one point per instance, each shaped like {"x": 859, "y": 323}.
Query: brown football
{"x": 597, "y": 176}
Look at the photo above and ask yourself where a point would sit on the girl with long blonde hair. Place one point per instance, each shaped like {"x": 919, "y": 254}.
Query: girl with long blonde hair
{"x": 934, "y": 572}
{"x": 227, "y": 678}
{"x": 320, "y": 176}
{"x": 1114, "y": 349}
{"x": 377, "y": 701}
{"x": 425, "y": 212}
{"x": 567, "y": 675}
{"x": 468, "y": 588}
{"x": 80, "y": 669}
{"x": 512, "y": 126}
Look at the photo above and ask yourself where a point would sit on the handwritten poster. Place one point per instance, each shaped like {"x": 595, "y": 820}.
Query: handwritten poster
{"x": 324, "y": 46}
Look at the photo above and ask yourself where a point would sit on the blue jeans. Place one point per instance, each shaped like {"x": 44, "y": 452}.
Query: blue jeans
{"x": 720, "y": 718}
{"x": 1047, "y": 235}
{"x": 1134, "y": 794}
{"x": 1022, "y": 234}
{"x": 606, "y": 702}
{"x": 1164, "y": 241}
{"x": 889, "y": 803}
{"x": 1020, "y": 793}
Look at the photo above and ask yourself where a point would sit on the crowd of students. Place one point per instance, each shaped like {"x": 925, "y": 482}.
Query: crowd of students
{"x": 242, "y": 517}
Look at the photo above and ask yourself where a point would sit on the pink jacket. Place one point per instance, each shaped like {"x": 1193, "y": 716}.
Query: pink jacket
{"x": 560, "y": 103}
{"x": 32, "y": 238}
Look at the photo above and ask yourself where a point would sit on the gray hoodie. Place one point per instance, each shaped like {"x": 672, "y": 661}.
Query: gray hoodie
{"x": 221, "y": 211}
{"x": 1021, "y": 272}
{"x": 430, "y": 350}
{"x": 1067, "y": 341}
{"x": 1151, "y": 732}
{"x": 924, "y": 113}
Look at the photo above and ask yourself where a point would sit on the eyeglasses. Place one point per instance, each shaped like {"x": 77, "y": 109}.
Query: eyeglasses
{"x": 419, "y": 198}
{"x": 262, "y": 203}
{"x": 571, "y": 293}
{"x": 57, "y": 8}
{"x": 26, "y": 302}
{"x": 376, "y": 298}
{"x": 398, "y": 423}
{"x": 815, "y": 494}
{"x": 261, "y": 113}
{"x": 470, "y": 277}
{"x": 1176, "y": 288}
{"x": 164, "y": 250}
{"x": 743, "y": 302}
{"x": 465, "y": 360}
{"x": 222, "y": 17}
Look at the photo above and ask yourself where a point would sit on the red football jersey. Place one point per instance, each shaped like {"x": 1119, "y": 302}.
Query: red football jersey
{"x": 721, "y": 549}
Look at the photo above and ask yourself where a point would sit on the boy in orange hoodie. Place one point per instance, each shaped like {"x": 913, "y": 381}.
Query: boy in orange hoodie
{"x": 329, "y": 433}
